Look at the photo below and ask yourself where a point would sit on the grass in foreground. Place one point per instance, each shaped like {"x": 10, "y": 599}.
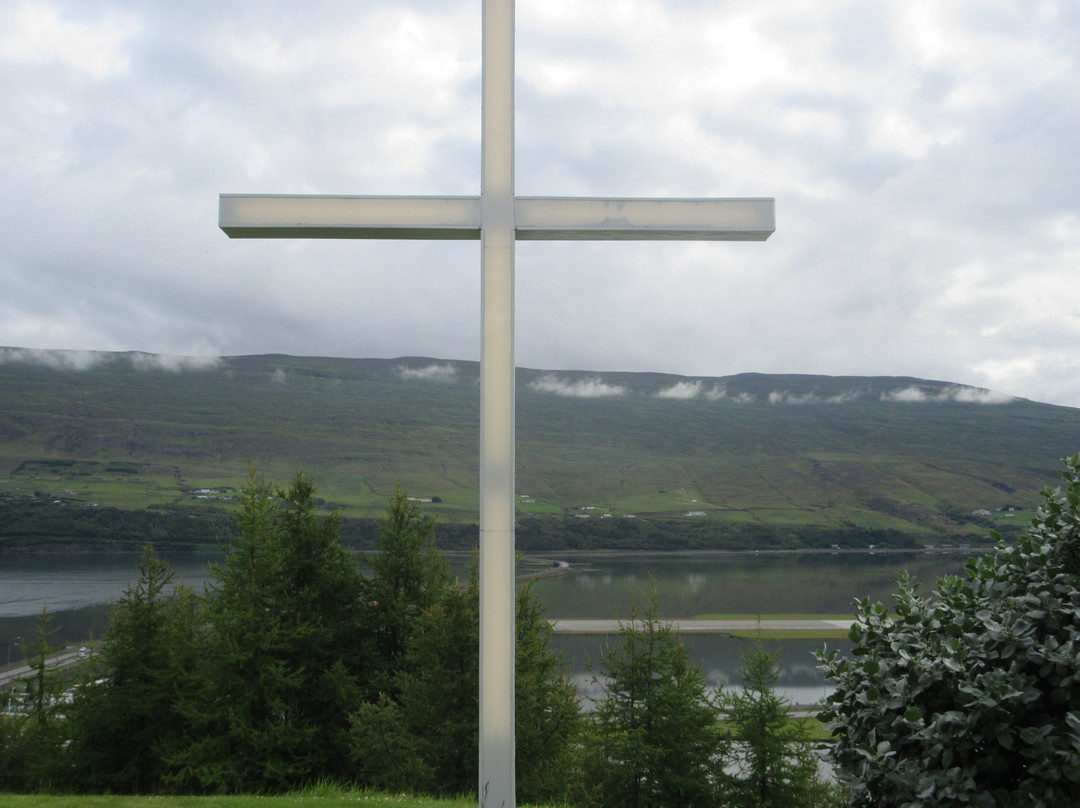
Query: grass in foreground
{"x": 316, "y": 798}
{"x": 790, "y": 616}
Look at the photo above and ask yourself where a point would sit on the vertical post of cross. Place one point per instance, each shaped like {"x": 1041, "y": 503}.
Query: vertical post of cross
{"x": 497, "y": 218}
{"x": 497, "y": 546}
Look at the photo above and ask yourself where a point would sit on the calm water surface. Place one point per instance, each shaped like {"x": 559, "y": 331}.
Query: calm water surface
{"x": 77, "y": 589}
{"x": 696, "y": 585}
{"x": 699, "y": 584}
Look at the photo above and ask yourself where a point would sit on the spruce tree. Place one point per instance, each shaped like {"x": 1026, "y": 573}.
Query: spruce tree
{"x": 548, "y": 714}
{"x": 439, "y": 684}
{"x": 426, "y": 739}
{"x": 124, "y": 722}
{"x": 44, "y": 687}
{"x": 286, "y": 657}
{"x": 408, "y": 575}
{"x": 773, "y": 755}
{"x": 31, "y": 743}
{"x": 656, "y": 740}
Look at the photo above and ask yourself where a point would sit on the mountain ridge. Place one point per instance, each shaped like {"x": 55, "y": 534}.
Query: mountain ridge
{"x": 752, "y": 454}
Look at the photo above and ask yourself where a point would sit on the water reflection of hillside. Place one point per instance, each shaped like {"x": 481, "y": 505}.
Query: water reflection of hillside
{"x": 78, "y": 587}
{"x": 694, "y": 585}
{"x": 720, "y": 659}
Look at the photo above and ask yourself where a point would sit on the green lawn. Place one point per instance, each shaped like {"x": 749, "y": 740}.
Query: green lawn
{"x": 786, "y": 616}
{"x": 317, "y": 798}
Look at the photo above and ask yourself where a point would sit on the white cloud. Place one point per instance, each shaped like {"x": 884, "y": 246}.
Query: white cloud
{"x": 173, "y": 364}
{"x": 812, "y": 398}
{"x": 60, "y": 360}
{"x": 905, "y": 395}
{"x": 582, "y": 388}
{"x": 85, "y": 360}
{"x": 975, "y": 395}
{"x": 431, "y": 373}
{"x": 721, "y": 393}
{"x": 35, "y": 33}
{"x": 792, "y": 399}
{"x": 681, "y": 390}
{"x": 965, "y": 395}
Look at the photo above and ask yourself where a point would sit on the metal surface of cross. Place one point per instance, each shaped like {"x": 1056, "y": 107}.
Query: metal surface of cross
{"x": 497, "y": 218}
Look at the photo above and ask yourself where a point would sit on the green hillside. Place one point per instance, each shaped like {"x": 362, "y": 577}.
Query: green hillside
{"x": 751, "y": 455}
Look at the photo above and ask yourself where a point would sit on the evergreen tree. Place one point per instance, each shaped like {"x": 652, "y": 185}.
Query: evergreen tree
{"x": 439, "y": 687}
{"x": 22, "y": 751}
{"x": 386, "y": 755}
{"x": 775, "y": 761}
{"x": 426, "y": 740}
{"x": 325, "y": 606}
{"x": 656, "y": 740}
{"x": 44, "y": 687}
{"x": 286, "y": 653}
{"x": 547, "y": 712}
{"x": 31, "y": 743}
{"x": 408, "y": 576}
{"x": 124, "y": 722}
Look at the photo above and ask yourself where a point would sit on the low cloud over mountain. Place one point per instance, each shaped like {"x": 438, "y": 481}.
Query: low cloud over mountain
{"x": 582, "y": 388}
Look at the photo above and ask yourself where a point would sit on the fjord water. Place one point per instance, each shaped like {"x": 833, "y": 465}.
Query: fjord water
{"x": 747, "y": 584}
{"x": 77, "y": 588}
{"x": 701, "y": 584}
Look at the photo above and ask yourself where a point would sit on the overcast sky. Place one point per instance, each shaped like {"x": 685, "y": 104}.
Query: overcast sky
{"x": 924, "y": 156}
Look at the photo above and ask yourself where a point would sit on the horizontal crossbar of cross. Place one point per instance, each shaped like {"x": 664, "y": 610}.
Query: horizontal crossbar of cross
{"x": 459, "y": 217}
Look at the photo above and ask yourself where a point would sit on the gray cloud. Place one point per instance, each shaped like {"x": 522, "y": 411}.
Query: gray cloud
{"x": 922, "y": 157}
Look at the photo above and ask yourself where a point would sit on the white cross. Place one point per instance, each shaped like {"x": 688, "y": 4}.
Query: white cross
{"x": 497, "y": 217}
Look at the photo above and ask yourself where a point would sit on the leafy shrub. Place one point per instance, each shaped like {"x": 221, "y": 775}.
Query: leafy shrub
{"x": 970, "y": 697}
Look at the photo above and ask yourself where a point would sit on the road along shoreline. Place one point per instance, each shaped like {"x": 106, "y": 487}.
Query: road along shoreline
{"x": 591, "y": 626}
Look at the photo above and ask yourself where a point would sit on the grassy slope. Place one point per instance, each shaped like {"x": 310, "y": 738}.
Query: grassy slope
{"x": 139, "y": 437}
